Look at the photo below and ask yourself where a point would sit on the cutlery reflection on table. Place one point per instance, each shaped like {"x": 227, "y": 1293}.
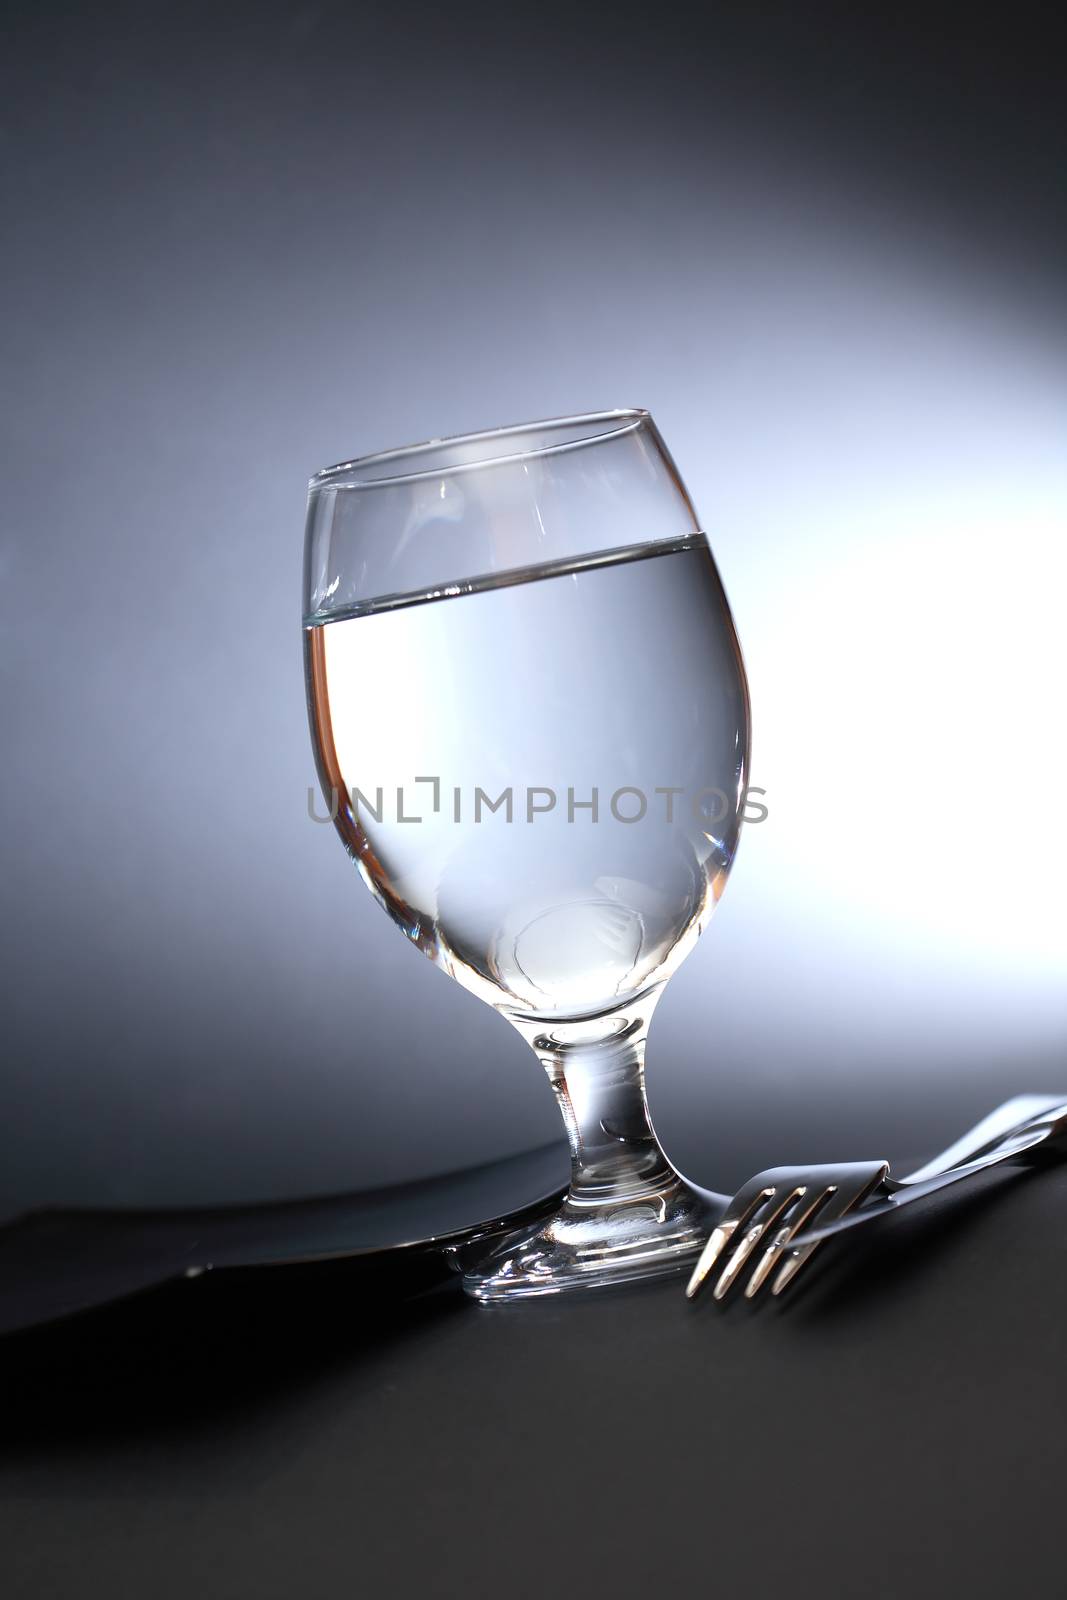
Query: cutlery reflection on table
{"x": 797, "y": 1208}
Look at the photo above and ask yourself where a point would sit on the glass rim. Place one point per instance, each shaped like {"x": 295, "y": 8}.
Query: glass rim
{"x": 603, "y": 425}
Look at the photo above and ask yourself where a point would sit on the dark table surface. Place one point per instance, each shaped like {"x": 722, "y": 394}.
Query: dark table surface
{"x": 894, "y": 1428}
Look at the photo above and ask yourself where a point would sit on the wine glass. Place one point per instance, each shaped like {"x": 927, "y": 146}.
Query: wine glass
{"x": 531, "y": 726}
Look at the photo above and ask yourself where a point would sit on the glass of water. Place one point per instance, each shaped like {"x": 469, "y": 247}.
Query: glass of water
{"x": 531, "y": 725}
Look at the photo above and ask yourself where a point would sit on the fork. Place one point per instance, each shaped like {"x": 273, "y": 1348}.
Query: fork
{"x": 791, "y": 1197}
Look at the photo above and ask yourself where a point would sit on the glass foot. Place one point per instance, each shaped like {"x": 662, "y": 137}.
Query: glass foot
{"x": 591, "y": 1244}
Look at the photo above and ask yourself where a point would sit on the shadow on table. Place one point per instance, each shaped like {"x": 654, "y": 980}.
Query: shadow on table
{"x": 112, "y": 1327}
{"x": 229, "y": 1351}
{"x": 213, "y": 1349}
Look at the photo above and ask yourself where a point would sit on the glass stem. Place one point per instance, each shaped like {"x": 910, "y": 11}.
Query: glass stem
{"x": 599, "y": 1085}
{"x": 627, "y": 1213}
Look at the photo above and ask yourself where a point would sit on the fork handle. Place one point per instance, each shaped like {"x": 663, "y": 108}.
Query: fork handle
{"x": 985, "y": 1135}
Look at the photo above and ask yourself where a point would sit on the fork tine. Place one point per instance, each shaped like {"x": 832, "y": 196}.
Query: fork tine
{"x": 776, "y": 1205}
{"x": 736, "y": 1215}
{"x": 799, "y": 1217}
{"x": 838, "y": 1204}
{"x": 709, "y": 1255}
{"x": 792, "y": 1267}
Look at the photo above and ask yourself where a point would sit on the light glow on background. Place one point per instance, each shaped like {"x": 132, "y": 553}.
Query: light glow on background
{"x": 315, "y": 240}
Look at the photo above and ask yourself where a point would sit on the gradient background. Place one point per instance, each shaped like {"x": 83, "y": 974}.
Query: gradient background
{"x": 828, "y": 250}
